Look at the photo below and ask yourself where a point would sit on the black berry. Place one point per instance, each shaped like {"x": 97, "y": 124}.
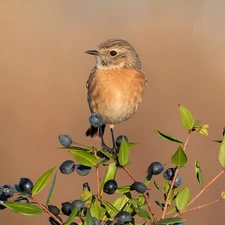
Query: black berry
{"x": 169, "y": 173}
{"x": 6, "y": 191}
{"x": 83, "y": 170}
{"x": 155, "y": 168}
{"x": 65, "y": 140}
{"x": 54, "y": 210}
{"x": 95, "y": 120}
{"x": 138, "y": 187}
{"x": 26, "y": 185}
{"x": 67, "y": 167}
{"x": 67, "y": 208}
{"x": 110, "y": 187}
{"x": 177, "y": 181}
{"x": 123, "y": 217}
{"x": 119, "y": 140}
{"x": 53, "y": 222}
{"x": 78, "y": 204}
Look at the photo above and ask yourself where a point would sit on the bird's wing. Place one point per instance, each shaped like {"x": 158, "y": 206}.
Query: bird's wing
{"x": 92, "y": 72}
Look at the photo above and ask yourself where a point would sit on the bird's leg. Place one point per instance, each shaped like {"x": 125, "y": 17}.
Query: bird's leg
{"x": 101, "y": 134}
{"x": 112, "y": 134}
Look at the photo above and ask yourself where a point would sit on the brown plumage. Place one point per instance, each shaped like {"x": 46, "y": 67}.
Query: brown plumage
{"x": 116, "y": 84}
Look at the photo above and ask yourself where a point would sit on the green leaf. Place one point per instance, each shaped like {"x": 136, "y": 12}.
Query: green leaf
{"x": 166, "y": 186}
{"x": 179, "y": 158}
{"x": 119, "y": 203}
{"x": 198, "y": 173}
{"x": 222, "y": 152}
{"x": 79, "y": 148}
{"x": 88, "y": 219}
{"x": 169, "y": 221}
{"x": 123, "y": 155}
{"x": 168, "y": 137}
{"x": 51, "y": 191}
{"x": 223, "y": 195}
{"x": 143, "y": 213}
{"x": 42, "y": 182}
{"x": 183, "y": 198}
{"x": 218, "y": 141}
{"x": 147, "y": 179}
{"x": 95, "y": 209}
{"x": 23, "y": 208}
{"x": 202, "y": 129}
{"x": 72, "y": 216}
{"x": 123, "y": 189}
{"x": 171, "y": 210}
{"x": 160, "y": 204}
{"x": 116, "y": 205}
{"x": 110, "y": 208}
{"x": 158, "y": 186}
{"x": 186, "y": 117}
{"x": 84, "y": 158}
{"x": 109, "y": 174}
{"x": 131, "y": 144}
{"x": 86, "y": 196}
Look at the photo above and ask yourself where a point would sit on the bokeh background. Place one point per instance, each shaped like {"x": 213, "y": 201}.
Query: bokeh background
{"x": 44, "y": 70}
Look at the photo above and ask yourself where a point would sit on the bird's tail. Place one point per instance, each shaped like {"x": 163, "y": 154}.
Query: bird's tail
{"x": 94, "y": 132}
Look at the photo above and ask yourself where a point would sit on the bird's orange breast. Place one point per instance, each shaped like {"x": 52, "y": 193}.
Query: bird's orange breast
{"x": 115, "y": 93}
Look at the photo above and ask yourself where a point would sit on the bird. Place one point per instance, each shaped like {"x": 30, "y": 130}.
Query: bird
{"x": 115, "y": 86}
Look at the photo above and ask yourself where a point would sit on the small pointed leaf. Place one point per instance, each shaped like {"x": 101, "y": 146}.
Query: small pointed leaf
{"x": 88, "y": 219}
{"x": 147, "y": 179}
{"x": 23, "y": 208}
{"x": 198, "y": 173}
{"x": 110, "y": 208}
{"x": 222, "y": 152}
{"x": 183, "y": 198}
{"x": 158, "y": 186}
{"x": 160, "y": 204}
{"x": 95, "y": 210}
{"x": 51, "y": 191}
{"x": 42, "y": 182}
{"x": 186, "y": 117}
{"x": 168, "y": 137}
{"x": 143, "y": 214}
{"x": 171, "y": 210}
{"x": 169, "y": 221}
{"x": 223, "y": 195}
{"x": 123, "y": 189}
{"x": 123, "y": 155}
{"x": 179, "y": 158}
{"x": 84, "y": 158}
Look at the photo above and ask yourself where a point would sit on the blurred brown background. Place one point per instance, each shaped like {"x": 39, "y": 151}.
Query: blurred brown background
{"x": 42, "y": 89}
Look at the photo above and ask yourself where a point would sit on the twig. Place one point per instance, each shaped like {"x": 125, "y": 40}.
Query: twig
{"x": 204, "y": 189}
{"x": 198, "y": 207}
{"x": 174, "y": 178}
{"x": 45, "y": 209}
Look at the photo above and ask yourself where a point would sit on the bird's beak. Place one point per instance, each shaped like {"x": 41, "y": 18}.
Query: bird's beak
{"x": 92, "y": 52}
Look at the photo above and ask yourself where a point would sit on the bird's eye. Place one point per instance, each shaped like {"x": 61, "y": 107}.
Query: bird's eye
{"x": 113, "y": 53}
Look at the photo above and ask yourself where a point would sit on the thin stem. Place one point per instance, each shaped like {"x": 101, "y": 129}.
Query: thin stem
{"x": 174, "y": 178}
{"x": 203, "y": 189}
{"x": 130, "y": 175}
{"x": 150, "y": 207}
{"x": 46, "y": 210}
{"x": 98, "y": 180}
{"x": 200, "y": 207}
{"x": 98, "y": 183}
